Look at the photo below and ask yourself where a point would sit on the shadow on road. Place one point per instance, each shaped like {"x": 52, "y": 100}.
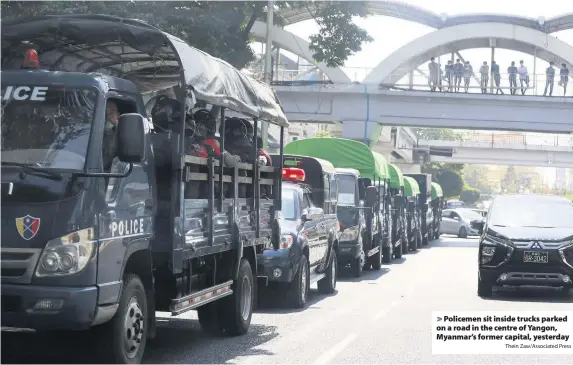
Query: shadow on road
{"x": 367, "y": 275}
{"x": 181, "y": 341}
{"x": 533, "y": 294}
{"x": 274, "y": 301}
{"x": 178, "y": 341}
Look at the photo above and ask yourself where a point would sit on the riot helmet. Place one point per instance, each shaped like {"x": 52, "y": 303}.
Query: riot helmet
{"x": 205, "y": 124}
{"x": 166, "y": 110}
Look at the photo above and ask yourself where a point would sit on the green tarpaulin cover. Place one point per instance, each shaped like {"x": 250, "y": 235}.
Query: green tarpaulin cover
{"x": 396, "y": 177}
{"x": 342, "y": 153}
{"x": 411, "y": 187}
{"x": 436, "y": 191}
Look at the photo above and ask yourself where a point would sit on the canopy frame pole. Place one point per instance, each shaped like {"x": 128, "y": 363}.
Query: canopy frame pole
{"x": 256, "y": 177}
{"x": 268, "y": 63}
{"x": 221, "y": 161}
{"x": 278, "y": 198}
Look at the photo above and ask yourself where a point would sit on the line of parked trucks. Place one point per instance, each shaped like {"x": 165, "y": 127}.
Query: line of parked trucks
{"x": 84, "y": 247}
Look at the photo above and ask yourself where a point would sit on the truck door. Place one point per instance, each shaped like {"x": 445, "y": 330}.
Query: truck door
{"x": 313, "y": 237}
{"x": 125, "y": 221}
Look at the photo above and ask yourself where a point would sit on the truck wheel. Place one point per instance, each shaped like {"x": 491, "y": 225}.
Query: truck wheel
{"x": 357, "y": 267}
{"x": 297, "y": 295}
{"x": 327, "y": 285}
{"x": 236, "y": 310}
{"x": 376, "y": 259}
{"x": 123, "y": 339}
{"x": 405, "y": 243}
{"x": 209, "y": 318}
{"x": 398, "y": 251}
{"x": 387, "y": 253}
{"x": 485, "y": 289}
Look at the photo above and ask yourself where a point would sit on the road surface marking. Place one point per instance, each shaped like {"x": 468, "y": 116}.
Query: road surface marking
{"x": 385, "y": 311}
{"x": 329, "y": 355}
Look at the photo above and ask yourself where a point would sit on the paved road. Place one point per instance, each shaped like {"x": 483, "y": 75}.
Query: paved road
{"x": 383, "y": 317}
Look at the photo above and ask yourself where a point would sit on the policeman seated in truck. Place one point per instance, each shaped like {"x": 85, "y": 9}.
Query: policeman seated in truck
{"x": 110, "y": 135}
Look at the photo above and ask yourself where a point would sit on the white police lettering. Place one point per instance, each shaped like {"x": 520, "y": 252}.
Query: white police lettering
{"x": 126, "y": 227}
{"x": 36, "y": 93}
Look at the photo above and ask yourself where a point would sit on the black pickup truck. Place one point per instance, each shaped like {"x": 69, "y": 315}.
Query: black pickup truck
{"x": 305, "y": 253}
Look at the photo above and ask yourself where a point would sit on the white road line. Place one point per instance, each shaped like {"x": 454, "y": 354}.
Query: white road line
{"x": 385, "y": 311}
{"x": 336, "y": 349}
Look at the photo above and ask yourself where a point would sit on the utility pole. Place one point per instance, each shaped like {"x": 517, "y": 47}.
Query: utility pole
{"x": 268, "y": 64}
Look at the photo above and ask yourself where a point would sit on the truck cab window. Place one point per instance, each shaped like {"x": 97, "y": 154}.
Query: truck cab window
{"x": 115, "y": 107}
{"x": 47, "y": 127}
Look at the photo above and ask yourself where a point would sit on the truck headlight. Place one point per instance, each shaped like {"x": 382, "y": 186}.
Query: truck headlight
{"x": 286, "y": 241}
{"x": 66, "y": 255}
{"x": 349, "y": 234}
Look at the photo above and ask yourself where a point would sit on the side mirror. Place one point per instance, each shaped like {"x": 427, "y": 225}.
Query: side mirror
{"x": 131, "y": 138}
{"x": 312, "y": 213}
{"x": 371, "y": 196}
{"x": 478, "y": 225}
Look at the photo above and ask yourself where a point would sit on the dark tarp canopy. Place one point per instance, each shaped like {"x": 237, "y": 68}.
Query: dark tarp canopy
{"x": 134, "y": 50}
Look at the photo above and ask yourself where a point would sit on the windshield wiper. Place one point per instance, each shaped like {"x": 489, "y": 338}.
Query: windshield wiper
{"x": 38, "y": 171}
{"x": 537, "y": 227}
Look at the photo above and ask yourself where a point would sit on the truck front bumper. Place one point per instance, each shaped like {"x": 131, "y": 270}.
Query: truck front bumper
{"x": 277, "y": 265}
{"x": 48, "y": 308}
{"x": 348, "y": 251}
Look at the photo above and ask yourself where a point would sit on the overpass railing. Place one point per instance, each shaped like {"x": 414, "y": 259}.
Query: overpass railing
{"x": 420, "y": 81}
{"x": 533, "y": 86}
{"x": 509, "y": 138}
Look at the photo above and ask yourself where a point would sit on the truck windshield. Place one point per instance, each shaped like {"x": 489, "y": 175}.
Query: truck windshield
{"x": 346, "y": 190}
{"x": 47, "y": 127}
{"x": 288, "y": 208}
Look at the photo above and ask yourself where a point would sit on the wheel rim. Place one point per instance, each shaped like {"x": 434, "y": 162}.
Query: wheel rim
{"x": 333, "y": 273}
{"x": 303, "y": 283}
{"x": 246, "y": 298}
{"x": 134, "y": 326}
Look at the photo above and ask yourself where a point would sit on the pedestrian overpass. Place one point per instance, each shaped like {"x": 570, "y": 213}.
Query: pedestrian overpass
{"x": 488, "y": 153}
{"x": 396, "y": 92}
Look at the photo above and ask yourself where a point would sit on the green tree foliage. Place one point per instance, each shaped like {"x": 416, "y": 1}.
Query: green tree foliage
{"x": 220, "y": 28}
{"x": 470, "y": 195}
{"x": 509, "y": 181}
{"x": 438, "y": 134}
{"x": 451, "y": 181}
{"x": 476, "y": 176}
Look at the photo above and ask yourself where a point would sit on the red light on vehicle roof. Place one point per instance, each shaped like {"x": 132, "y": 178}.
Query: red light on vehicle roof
{"x": 293, "y": 174}
{"x": 31, "y": 58}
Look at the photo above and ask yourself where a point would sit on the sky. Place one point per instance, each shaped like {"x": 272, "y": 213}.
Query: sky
{"x": 390, "y": 34}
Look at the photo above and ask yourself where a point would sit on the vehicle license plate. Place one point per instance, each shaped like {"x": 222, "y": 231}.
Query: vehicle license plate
{"x": 536, "y": 257}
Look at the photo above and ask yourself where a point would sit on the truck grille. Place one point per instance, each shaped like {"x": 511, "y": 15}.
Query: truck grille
{"x": 18, "y": 264}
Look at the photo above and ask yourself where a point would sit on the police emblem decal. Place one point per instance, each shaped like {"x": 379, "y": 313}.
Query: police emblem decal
{"x": 28, "y": 226}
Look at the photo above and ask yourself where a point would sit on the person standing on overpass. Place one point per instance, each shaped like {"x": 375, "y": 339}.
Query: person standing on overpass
{"x": 434, "y": 74}
{"x": 484, "y": 72}
{"x": 468, "y": 71}
{"x": 458, "y": 73}
{"x": 564, "y": 74}
{"x": 512, "y": 71}
{"x": 549, "y": 79}
{"x": 450, "y": 75}
{"x": 523, "y": 77}
{"x": 496, "y": 77}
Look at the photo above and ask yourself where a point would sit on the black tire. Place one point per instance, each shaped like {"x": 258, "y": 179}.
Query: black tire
{"x": 463, "y": 233}
{"x": 236, "y": 310}
{"x": 327, "y": 285}
{"x": 357, "y": 267}
{"x": 405, "y": 243}
{"x": 209, "y": 318}
{"x": 387, "y": 253}
{"x": 297, "y": 294}
{"x": 485, "y": 288}
{"x": 398, "y": 250}
{"x": 114, "y": 337}
{"x": 376, "y": 259}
